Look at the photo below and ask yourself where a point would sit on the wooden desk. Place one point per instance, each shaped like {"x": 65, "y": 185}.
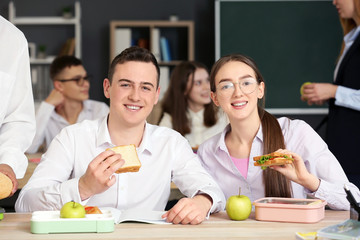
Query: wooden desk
{"x": 17, "y": 226}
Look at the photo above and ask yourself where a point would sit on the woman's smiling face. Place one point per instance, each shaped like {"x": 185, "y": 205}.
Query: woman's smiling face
{"x": 235, "y": 103}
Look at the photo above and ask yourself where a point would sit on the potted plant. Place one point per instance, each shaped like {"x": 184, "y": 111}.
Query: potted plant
{"x": 66, "y": 12}
{"x": 42, "y": 51}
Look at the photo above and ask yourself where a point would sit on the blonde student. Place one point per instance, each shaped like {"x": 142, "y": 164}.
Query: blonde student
{"x": 239, "y": 89}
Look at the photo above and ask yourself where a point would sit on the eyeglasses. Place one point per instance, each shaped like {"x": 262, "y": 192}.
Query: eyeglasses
{"x": 79, "y": 80}
{"x": 247, "y": 86}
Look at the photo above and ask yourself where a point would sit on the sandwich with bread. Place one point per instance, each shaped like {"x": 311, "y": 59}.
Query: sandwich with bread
{"x": 6, "y": 186}
{"x": 271, "y": 159}
{"x": 92, "y": 210}
{"x": 129, "y": 154}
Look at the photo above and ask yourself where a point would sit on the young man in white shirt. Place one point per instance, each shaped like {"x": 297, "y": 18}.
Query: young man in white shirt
{"x": 78, "y": 167}
{"x": 67, "y": 103}
{"x": 17, "y": 118}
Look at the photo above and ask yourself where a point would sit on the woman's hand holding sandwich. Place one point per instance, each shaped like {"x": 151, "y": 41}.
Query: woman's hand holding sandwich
{"x": 297, "y": 172}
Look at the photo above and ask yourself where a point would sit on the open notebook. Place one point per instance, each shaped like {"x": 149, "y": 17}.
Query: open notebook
{"x": 349, "y": 229}
{"x": 137, "y": 215}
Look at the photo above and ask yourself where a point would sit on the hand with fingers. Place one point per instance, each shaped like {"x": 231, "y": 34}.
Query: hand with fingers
{"x": 99, "y": 174}
{"x": 189, "y": 210}
{"x": 318, "y": 93}
{"x": 55, "y": 98}
{"x": 297, "y": 172}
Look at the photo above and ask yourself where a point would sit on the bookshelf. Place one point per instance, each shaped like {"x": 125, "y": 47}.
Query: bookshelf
{"x": 41, "y": 83}
{"x": 179, "y": 34}
{"x": 51, "y": 20}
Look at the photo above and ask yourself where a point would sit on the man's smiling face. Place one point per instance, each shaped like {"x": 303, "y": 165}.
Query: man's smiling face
{"x": 133, "y": 92}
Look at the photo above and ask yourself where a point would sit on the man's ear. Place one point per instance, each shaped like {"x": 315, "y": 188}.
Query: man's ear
{"x": 106, "y": 86}
{"x": 58, "y": 86}
{"x": 214, "y": 98}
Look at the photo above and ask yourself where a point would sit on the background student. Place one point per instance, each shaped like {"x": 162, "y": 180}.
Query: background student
{"x": 187, "y": 106}
{"x": 17, "y": 119}
{"x": 343, "y": 128}
{"x": 237, "y": 87}
{"x": 77, "y": 166}
{"x": 67, "y": 103}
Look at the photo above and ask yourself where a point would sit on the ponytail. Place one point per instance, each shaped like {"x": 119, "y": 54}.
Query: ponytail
{"x": 276, "y": 184}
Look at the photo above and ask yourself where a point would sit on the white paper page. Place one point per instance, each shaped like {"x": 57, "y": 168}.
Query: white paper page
{"x": 137, "y": 215}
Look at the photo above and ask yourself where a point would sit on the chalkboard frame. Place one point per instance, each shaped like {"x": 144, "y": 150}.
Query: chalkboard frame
{"x": 304, "y": 109}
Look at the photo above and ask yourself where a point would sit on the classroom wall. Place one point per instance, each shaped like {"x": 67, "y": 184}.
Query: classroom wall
{"x": 95, "y": 19}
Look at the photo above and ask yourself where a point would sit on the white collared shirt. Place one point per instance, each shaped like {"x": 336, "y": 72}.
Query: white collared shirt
{"x": 164, "y": 154}
{"x": 299, "y": 138}
{"x": 17, "y": 118}
{"x": 199, "y": 132}
{"x": 49, "y": 123}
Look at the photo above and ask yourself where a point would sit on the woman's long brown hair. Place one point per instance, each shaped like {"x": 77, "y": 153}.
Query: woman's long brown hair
{"x": 276, "y": 184}
{"x": 175, "y": 101}
{"x": 348, "y": 24}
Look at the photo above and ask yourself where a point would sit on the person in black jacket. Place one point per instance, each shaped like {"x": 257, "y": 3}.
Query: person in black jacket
{"x": 343, "y": 128}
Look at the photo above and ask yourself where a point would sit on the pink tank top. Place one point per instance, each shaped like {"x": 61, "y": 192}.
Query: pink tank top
{"x": 242, "y": 165}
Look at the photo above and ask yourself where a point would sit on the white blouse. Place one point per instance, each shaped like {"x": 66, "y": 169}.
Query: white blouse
{"x": 199, "y": 132}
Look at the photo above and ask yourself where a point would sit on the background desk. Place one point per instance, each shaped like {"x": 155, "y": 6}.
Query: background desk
{"x": 17, "y": 226}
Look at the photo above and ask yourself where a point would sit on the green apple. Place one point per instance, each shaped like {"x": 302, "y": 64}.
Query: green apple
{"x": 72, "y": 210}
{"x": 302, "y": 87}
{"x": 238, "y": 207}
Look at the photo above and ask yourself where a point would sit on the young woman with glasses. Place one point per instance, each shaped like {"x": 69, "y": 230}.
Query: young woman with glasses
{"x": 239, "y": 89}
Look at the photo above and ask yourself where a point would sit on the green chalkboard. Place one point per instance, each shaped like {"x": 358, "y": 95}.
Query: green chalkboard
{"x": 291, "y": 41}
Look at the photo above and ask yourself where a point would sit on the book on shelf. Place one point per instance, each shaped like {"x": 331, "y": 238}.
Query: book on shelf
{"x": 71, "y": 49}
{"x": 165, "y": 49}
{"x": 155, "y": 43}
{"x": 68, "y": 47}
{"x": 164, "y": 80}
{"x": 143, "y": 42}
{"x": 32, "y": 50}
{"x": 122, "y": 39}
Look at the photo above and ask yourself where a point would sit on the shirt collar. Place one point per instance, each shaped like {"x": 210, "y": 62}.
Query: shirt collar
{"x": 199, "y": 113}
{"x": 259, "y": 134}
{"x": 351, "y": 36}
{"x": 103, "y": 136}
{"x": 87, "y": 108}
{"x": 221, "y": 143}
{"x": 146, "y": 143}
